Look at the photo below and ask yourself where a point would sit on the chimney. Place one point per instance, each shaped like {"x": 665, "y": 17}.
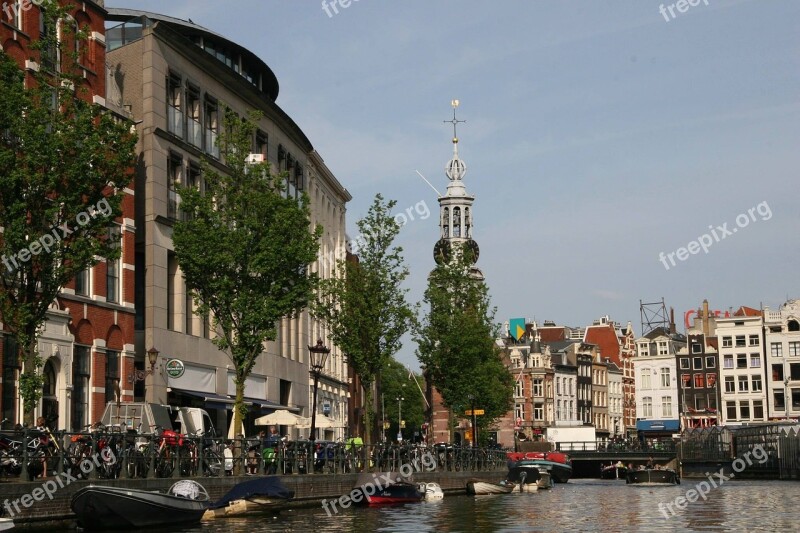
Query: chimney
{"x": 672, "y": 329}
{"x": 705, "y": 318}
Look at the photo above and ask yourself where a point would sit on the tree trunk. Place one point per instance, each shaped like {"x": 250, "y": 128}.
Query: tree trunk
{"x": 30, "y": 381}
{"x": 367, "y": 413}
{"x": 238, "y": 410}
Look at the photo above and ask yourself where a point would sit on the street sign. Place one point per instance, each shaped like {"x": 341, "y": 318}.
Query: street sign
{"x": 476, "y": 412}
{"x": 403, "y": 424}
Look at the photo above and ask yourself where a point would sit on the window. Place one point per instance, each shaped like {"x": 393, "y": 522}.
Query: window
{"x": 730, "y": 410}
{"x": 727, "y": 342}
{"x": 558, "y": 385}
{"x": 82, "y": 283}
{"x": 755, "y": 382}
{"x": 778, "y": 398}
{"x": 730, "y": 384}
{"x": 174, "y": 171}
{"x": 741, "y": 360}
{"x": 744, "y": 410}
{"x": 698, "y": 363}
{"x": 684, "y": 363}
{"x": 261, "y": 144}
{"x": 711, "y": 380}
{"x": 699, "y": 381}
{"x": 112, "y": 269}
{"x": 49, "y": 36}
{"x": 647, "y": 407}
{"x": 776, "y": 349}
{"x": 112, "y": 375}
{"x": 537, "y": 387}
{"x": 794, "y": 349}
{"x": 80, "y": 387}
{"x": 758, "y": 410}
{"x": 793, "y": 325}
{"x": 518, "y": 390}
{"x": 794, "y": 371}
{"x": 519, "y": 411}
{"x": 795, "y": 399}
{"x": 646, "y": 378}
{"x": 697, "y": 348}
{"x": 662, "y": 348}
{"x": 175, "y": 105}
{"x": 665, "y": 381}
{"x": 212, "y": 127}
{"x": 666, "y": 406}
{"x": 686, "y": 381}
{"x": 777, "y": 372}
{"x": 755, "y": 360}
{"x": 538, "y": 411}
{"x": 700, "y": 403}
{"x": 743, "y": 384}
{"x": 727, "y": 361}
{"x": 711, "y": 361}
{"x": 753, "y": 340}
{"x": 194, "y": 131}
{"x": 740, "y": 341}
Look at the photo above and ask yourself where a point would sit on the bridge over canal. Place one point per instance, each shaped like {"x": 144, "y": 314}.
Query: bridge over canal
{"x": 588, "y": 458}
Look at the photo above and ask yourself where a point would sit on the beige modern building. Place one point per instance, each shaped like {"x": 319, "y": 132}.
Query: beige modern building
{"x": 175, "y": 77}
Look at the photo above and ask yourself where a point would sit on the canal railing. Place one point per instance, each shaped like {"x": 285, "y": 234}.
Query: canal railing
{"x": 105, "y": 453}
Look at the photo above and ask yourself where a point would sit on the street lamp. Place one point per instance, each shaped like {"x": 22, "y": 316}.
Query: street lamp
{"x": 400, "y": 418}
{"x": 319, "y": 353}
{"x": 141, "y": 375}
{"x": 786, "y": 394}
{"x": 474, "y": 421}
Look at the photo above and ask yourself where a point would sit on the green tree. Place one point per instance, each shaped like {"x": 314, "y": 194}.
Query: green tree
{"x": 364, "y": 304}
{"x": 397, "y": 382}
{"x": 244, "y": 247}
{"x": 63, "y": 164}
{"x": 456, "y": 341}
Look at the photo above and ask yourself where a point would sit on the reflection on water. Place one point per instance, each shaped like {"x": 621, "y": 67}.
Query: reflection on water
{"x": 580, "y": 505}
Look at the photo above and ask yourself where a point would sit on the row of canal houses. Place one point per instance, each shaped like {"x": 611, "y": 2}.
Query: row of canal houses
{"x": 734, "y": 368}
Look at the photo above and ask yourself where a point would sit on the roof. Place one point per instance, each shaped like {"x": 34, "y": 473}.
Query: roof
{"x": 747, "y": 311}
{"x": 553, "y": 334}
{"x": 605, "y": 337}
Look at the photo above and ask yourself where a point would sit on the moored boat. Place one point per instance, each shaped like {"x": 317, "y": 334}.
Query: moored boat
{"x": 558, "y": 464}
{"x": 251, "y": 497}
{"x": 377, "y": 491}
{"x": 545, "y": 480}
{"x": 431, "y": 491}
{"x": 6, "y": 524}
{"x": 109, "y": 508}
{"x": 617, "y": 471}
{"x": 479, "y": 488}
{"x": 651, "y": 476}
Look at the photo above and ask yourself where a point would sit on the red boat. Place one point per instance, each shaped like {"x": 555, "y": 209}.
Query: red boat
{"x": 377, "y": 490}
{"x": 559, "y": 464}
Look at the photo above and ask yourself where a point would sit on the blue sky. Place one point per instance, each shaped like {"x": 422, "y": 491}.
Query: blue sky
{"x": 598, "y": 136}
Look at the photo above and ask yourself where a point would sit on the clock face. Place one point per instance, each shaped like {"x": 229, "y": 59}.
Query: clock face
{"x": 441, "y": 251}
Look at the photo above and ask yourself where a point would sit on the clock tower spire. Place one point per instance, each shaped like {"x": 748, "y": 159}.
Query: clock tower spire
{"x": 455, "y": 208}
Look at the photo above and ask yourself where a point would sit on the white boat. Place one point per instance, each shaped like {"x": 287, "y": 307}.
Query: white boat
{"x": 6, "y": 524}
{"x": 431, "y": 491}
{"x": 480, "y": 488}
{"x": 545, "y": 480}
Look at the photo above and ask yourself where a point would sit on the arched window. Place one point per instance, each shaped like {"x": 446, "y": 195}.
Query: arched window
{"x": 793, "y": 325}
{"x": 446, "y": 222}
{"x": 467, "y": 223}
{"x": 456, "y": 222}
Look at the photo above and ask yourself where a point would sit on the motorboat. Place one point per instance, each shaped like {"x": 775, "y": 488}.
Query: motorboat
{"x": 559, "y": 464}
{"x": 430, "y": 491}
{"x": 545, "y": 480}
{"x": 251, "y": 497}
{"x": 652, "y": 476}
{"x": 386, "y": 488}
{"x": 6, "y": 524}
{"x": 108, "y": 508}
{"x": 617, "y": 471}
{"x": 479, "y": 488}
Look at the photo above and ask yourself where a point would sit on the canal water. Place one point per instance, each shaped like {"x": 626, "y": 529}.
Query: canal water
{"x": 580, "y": 505}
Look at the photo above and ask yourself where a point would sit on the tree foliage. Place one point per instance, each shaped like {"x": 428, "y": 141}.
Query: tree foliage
{"x": 244, "y": 247}
{"x": 456, "y": 343}
{"x": 396, "y": 382}
{"x": 364, "y": 303}
{"x": 63, "y": 164}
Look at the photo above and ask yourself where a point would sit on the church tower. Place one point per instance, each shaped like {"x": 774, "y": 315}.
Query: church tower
{"x": 455, "y": 209}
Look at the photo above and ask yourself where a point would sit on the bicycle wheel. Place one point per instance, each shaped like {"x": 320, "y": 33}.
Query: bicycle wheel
{"x": 165, "y": 463}
{"x": 212, "y": 464}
